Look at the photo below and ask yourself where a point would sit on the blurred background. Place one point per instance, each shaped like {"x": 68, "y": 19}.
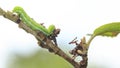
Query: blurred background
{"x": 75, "y": 18}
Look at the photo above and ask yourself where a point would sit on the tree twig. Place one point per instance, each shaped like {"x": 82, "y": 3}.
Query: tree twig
{"x": 43, "y": 41}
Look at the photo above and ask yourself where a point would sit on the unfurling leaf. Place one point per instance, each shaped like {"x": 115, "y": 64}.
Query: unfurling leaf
{"x": 110, "y": 29}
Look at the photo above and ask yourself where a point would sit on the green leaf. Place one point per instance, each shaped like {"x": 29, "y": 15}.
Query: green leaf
{"x": 110, "y": 29}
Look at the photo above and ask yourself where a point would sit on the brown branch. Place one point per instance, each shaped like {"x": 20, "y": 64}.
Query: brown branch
{"x": 43, "y": 41}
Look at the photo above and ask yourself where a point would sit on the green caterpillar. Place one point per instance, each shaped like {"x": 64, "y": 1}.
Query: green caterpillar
{"x": 31, "y": 23}
{"x": 111, "y": 29}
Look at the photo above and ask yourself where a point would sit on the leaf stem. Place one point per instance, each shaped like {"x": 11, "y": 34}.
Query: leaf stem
{"x": 90, "y": 40}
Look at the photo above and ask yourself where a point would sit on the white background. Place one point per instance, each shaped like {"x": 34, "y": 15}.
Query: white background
{"x": 73, "y": 17}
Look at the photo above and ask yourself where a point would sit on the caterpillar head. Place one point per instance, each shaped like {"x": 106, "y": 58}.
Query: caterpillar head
{"x": 18, "y": 9}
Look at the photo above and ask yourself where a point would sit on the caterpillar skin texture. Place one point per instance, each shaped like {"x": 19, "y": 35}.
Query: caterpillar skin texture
{"x": 111, "y": 29}
{"x": 31, "y": 23}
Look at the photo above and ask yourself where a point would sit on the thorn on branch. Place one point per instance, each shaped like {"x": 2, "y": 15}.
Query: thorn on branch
{"x": 74, "y": 41}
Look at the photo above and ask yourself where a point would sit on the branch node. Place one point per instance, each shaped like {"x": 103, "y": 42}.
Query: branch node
{"x": 80, "y": 50}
